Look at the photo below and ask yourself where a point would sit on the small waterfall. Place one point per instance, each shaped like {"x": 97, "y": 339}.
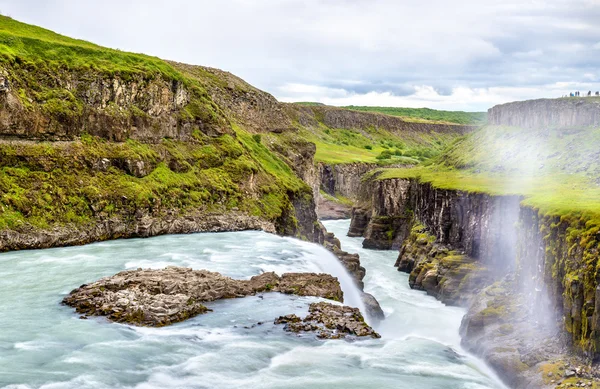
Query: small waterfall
{"x": 328, "y": 263}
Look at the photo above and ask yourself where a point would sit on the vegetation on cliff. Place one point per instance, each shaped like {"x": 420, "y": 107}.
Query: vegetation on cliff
{"x": 420, "y": 115}
{"x": 211, "y": 163}
{"x": 556, "y": 172}
{"x": 91, "y": 134}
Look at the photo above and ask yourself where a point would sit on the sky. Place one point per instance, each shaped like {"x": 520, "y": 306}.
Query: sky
{"x": 454, "y": 55}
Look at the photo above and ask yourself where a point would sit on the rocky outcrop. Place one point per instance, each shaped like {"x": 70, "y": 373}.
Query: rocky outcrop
{"x": 163, "y": 297}
{"x": 361, "y": 215}
{"x": 547, "y": 113}
{"x": 449, "y": 275}
{"x": 383, "y": 215}
{"x": 352, "y": 263}
{"x": 373, "y": 309}
{"x": 500, "y": 328}
{"x": 329, "y": 321}
{"x": 111, "y": 107}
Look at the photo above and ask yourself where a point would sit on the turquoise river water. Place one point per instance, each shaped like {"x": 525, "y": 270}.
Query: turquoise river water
{"x": 45, "y": 345}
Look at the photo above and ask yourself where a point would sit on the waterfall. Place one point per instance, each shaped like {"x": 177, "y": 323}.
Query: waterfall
{"x": 328, "y": 263}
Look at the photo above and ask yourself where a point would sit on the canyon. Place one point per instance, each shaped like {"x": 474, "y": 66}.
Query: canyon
{"x": 97, "y": 153}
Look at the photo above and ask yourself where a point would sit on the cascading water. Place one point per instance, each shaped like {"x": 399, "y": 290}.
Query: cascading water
{"x": 45, "y": 345}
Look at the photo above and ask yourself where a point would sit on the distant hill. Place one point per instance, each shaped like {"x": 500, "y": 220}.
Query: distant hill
{"x": 458, "y": 117}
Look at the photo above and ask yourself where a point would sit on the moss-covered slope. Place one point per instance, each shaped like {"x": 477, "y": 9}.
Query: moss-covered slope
{"x": 97, "y": 143}
{"x": 90, "y": 135}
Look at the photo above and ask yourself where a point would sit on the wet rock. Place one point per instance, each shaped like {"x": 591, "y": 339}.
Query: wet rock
{"x": 449, "y": 275}
{"x": 350, "y": 261}
{"x": 372, "y": 306}
{"x": 163, "y": 297}
{"x": 329, "y": 321}
{"x": 360, "y": 221}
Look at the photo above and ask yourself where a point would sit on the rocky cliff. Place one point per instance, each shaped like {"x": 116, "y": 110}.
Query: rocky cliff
{"x": 528, "y": 279}
{"x": 548, "y": 113}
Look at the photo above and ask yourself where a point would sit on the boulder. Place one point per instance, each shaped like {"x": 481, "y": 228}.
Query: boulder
{"x": 329, "y": 321}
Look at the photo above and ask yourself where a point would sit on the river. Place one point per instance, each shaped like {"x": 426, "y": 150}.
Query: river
{"x": 45, "y": 345}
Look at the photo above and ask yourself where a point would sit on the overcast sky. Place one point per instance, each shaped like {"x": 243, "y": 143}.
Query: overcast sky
{"x": 467, "y": 54}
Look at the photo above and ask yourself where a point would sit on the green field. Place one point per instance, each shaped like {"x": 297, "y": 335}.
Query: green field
{"x": 373, "y": 145}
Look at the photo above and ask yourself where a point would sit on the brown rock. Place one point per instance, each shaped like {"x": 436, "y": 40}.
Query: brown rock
{"x": 329, "y": 321}
{"x": 163, "y": 297}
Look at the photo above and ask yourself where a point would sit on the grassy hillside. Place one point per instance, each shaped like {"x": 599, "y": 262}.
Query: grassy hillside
{"x": 24, "y": 42}
{"x": 89, "y": 178}
{"x": 557, "y": 170}
{"x": 374, "y": 145}
{"x": 427, "y": 114}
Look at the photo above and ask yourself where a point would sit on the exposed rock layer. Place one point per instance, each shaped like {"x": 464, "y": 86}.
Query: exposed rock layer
{"x": 545, "y": 113}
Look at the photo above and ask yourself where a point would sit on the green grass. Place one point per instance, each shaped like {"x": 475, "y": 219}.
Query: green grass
{"x": 336, "y": 146}
{"x": 24, "y": 42}
{"x": 428, "y": 115}
{"x": 556, "y": 170}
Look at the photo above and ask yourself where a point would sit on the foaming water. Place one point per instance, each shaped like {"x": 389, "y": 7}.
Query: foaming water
{"x": 45, "y": 345}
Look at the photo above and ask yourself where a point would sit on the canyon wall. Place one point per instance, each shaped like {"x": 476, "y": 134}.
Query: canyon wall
{"x": 343, "y": 179}
{"x": 547, "y": 113}
{"x": 529, "y": 280}
{"x": 344, "y": 118}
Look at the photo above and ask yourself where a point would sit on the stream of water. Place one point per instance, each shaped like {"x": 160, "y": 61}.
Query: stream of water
{"x": 45, "y": 345}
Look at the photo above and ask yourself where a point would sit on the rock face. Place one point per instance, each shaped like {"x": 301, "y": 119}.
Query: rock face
{"x": 329, "y": 321}
{"x": 163, "y": 297}
{"x": 449, "y": 275}
{"x": 113, "y": 108}
{"x": 141, "y": 225}
{"x": 361, "y": 215}
{"x": 545, "y": 113}
{"x": 479, "y": 225}
{"x": 545, "y": 299}
{"x": 383, "y": 216}
{"x": 519, "y": 346}
{"x": 343, "y": 179}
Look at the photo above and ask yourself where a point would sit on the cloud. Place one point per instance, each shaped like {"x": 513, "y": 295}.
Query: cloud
{"x": 357, "y": 51}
